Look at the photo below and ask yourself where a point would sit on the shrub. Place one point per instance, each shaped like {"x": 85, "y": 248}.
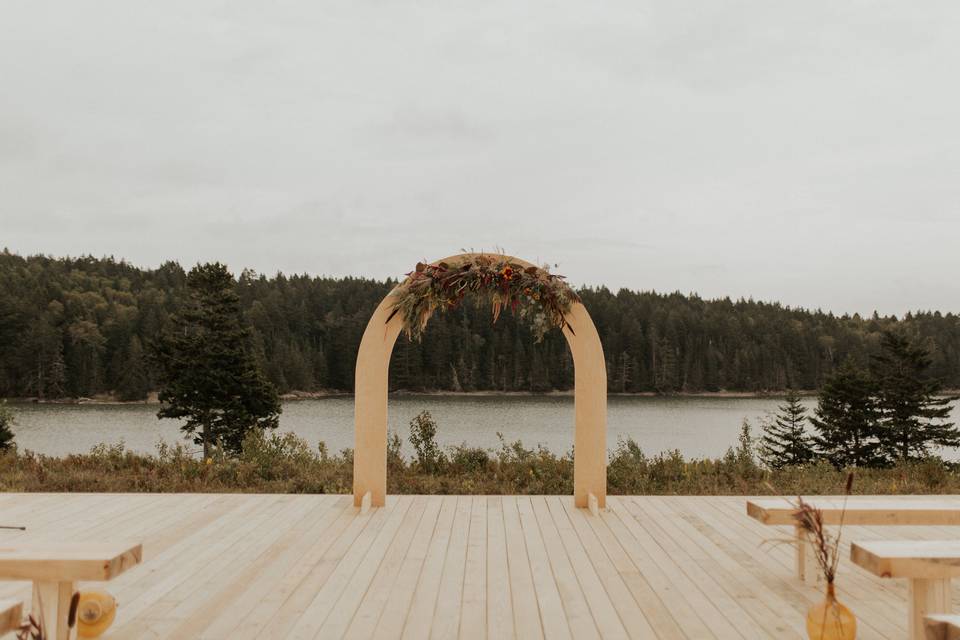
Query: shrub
{"x": 423, "y": 434}
{"x": 467, "y": 459}
{"x": 284, "y": 463}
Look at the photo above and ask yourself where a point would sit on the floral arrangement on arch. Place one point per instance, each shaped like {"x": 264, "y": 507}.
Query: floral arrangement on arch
{"x": 537, "y": 295}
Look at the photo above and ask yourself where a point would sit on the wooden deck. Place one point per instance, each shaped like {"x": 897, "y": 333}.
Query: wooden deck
{"x": 283, "y": 566}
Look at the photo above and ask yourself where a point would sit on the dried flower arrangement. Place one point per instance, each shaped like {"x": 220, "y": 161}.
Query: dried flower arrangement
{"x": 534, "y": 293}
{"x": 828, "y": 619}
{"x": 31, "y": 629}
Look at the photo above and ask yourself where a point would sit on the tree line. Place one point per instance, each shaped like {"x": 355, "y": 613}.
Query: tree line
{"x": 73, "y": 327}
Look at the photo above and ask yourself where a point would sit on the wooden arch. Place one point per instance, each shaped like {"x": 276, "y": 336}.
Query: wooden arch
{"x": 370, "y": 408}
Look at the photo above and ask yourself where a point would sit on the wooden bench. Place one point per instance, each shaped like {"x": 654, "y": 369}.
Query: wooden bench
{"x": 943, "y": 627}
{"x": 55, "y": 570}
{"x": 11, "y": 615}
{"x": 929, "y": 565}
{"x": 860, "y": 510}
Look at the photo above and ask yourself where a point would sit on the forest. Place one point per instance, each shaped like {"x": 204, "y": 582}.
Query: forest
{"x": 79, "y": 327}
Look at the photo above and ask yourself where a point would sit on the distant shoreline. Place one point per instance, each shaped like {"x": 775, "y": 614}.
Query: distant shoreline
{"x": 295, "y": 396}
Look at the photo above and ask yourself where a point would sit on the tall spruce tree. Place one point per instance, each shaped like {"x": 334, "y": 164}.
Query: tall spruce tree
{"x": 785, "y": 441}
{"x": 134, "y": 383}
{"x": 6, "y": 422}
{"x": 846, "y": 419}
{"x": 913, "y": 420}
{"x": 207, "y": 369}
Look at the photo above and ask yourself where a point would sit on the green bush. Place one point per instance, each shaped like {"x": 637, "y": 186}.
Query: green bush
{"x": 423, "y": 437}
{"x": 285, "y": 463}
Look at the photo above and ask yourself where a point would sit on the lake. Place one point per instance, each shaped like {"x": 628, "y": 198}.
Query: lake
{"x": 697, "y": 426}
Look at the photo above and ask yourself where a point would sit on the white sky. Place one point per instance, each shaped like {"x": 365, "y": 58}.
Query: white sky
{"x": 807, "y": 152}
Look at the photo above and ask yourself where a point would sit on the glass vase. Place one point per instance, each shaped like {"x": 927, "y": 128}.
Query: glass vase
{"x": 830, "y": 620}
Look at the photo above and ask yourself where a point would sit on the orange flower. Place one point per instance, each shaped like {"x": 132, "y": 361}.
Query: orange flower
{"x": 507, "y": 273}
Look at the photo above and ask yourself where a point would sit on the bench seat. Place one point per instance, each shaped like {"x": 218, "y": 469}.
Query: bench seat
{"x": 929, "y": 565}
{"x": 11, "y": 615}
{"x": 854, "y": 511}
{"x": 943, "y": 627}
{"x": 55, "y": 571}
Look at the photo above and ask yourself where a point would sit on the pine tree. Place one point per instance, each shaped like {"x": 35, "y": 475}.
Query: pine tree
{"x": 134, "y": 383}
{"x": 207, "y": 367}
{"x": 785, "y": 441}
{"x": 6, "y": 422}
{"x": 624, "y": 372}
{"x": 846, "y": 419}
{"x": 56, "y": 374}
{"x": 912, "y": 417}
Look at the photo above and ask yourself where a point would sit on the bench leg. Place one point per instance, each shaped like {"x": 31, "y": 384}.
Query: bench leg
{"x": 925, "y": 597}
{"x": 51, "y": 604}
{"x": 807, "y": 569}
{"x": 800, "y": 540}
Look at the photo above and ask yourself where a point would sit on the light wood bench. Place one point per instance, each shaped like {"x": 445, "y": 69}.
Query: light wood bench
{"x": 11, "y": 615}
{"x": 860, "y": 510}
{"x": 929, "y": 565}
{"x": 943, "y": 627}
{"x": 55, "y": 570}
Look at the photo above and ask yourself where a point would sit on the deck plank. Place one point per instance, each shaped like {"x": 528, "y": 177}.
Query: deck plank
{"x": 526, "y": 611}
{"x": 446, "y": 614}
{"x": 641, "y": 613}
{"x": 300, "y": 566}
{"x": 420, "y": 615}
{"x": 549, "y": 602}
{"x": 394, "y": 612}
{"x": 367, "y": 614}
{"x": 473, "y": 612}
{"x": 579, "y": 616}
{"x": 499, "y": 600}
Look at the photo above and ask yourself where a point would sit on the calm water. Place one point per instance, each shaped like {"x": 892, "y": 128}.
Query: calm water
{"x": 695, "y": 426}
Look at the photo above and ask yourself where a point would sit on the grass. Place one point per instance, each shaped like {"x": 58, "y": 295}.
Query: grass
{"x": 284, "y": 463}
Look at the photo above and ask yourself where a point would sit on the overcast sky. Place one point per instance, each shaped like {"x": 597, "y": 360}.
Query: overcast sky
{"x": 807, "y": 152}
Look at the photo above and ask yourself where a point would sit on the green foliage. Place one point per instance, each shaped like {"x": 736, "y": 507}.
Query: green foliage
{"x": 66, "y": 329}
{"x": 913, "y": 419}
{"x": 744, "y": 456}
{"x": 6, "y": 427}
{"x": 785, "y": 441}
{"x": 469, "y": 459}
{"x": 272, "y": 463}
{"x": 207, "y": 370}
{"x": 275, "y": 456}
{"x": 889, "y": 412}
{"x": 846, "y": 419}
{"x": 423, "y": 437}
{"x": 134, "y": 380}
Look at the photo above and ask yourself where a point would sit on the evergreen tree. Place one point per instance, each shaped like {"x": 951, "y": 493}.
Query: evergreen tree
{"x": 912, "y": 417}
{"x": 6, "y": 432}
{"x": 846, "y": 419}
{"x": 56, "y": 374}
{"x": 207, "y": 368}
{"x": 134, "y": 381}
{"x": 785, "y": 441}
